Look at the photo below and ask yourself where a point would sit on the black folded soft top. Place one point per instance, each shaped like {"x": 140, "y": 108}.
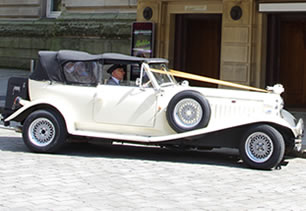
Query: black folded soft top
{"x": 49, "y": 63}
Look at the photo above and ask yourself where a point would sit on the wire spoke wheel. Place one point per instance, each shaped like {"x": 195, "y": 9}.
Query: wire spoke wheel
{"x": 259, "y": 147}
{"x": 41, "y": 132}
{"x": 188, "y": 113}
{"x": 188, "y": 110}
{"x": 44, "y": 131}
{"x": 262, "y": 147}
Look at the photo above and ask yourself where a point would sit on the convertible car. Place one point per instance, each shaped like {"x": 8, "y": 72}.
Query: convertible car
{"x": 67, "y": 96}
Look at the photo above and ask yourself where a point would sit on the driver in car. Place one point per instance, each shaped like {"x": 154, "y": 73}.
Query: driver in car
{"x": 117, "y": 72}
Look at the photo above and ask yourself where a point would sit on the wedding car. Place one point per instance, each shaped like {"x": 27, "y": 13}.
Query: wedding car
{"x": 67, "y": 95}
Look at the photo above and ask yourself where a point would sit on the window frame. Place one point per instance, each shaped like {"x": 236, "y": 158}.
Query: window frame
{"x": 49, "y": 12}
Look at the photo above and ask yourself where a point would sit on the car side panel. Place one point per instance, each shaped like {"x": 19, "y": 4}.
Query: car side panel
{"x": 124, "y": 105}
{"x": 74, "y": 102}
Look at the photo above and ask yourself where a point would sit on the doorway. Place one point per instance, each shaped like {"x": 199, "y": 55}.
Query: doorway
{"x": 286, "y": 61}
{"x": 197, "y": 45}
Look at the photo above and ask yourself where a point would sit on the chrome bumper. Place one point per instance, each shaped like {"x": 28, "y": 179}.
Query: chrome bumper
{"x": 299, "y": 129}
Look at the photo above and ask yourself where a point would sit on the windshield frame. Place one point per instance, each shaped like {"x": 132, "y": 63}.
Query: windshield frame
{"x": 152, "y": 75}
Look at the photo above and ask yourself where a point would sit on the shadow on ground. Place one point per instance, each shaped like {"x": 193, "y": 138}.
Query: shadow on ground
{"x": 229, "y": 158}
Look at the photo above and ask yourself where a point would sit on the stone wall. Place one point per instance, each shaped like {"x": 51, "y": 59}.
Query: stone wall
{"x": 20, "y": 40}
{"x": 20, "y": 9}
{"x": 98, "y": 6}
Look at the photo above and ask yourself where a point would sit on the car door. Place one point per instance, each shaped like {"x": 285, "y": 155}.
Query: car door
{"x": 125, "y": 105}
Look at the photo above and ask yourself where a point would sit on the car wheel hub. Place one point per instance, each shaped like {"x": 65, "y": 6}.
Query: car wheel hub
{"x": 259, "y": 147}
{"x": 188, "y": 113}
{"x": 41, "y": 132}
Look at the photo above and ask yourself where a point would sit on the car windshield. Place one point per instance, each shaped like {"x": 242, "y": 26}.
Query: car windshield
{"x": 160, "y": 72}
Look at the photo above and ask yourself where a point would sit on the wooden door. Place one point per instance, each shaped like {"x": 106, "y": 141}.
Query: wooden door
{"x": 286, "y": 56}
{"x": 197, "y": 46}
{"x": 293, "y": 62}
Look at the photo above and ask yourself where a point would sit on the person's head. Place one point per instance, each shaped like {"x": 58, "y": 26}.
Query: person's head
{"x": 117, "y": 71}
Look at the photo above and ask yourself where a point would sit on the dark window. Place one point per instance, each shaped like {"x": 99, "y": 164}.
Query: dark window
{"x": 56, "y": 5}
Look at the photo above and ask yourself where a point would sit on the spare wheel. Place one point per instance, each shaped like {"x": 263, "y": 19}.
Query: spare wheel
{"x": 188, "y": 110}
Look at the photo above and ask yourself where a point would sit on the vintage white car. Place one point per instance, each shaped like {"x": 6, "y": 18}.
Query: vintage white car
{"x": 67, "y": 96}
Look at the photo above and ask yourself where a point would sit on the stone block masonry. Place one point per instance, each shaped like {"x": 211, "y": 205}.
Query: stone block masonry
{"x": 95, "y": 33}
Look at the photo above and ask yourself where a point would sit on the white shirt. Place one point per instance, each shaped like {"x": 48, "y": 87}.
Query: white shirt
{"x": 116, "y": 80}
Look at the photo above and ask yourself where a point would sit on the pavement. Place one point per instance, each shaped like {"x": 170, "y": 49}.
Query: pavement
{"x": 89, "y": 177}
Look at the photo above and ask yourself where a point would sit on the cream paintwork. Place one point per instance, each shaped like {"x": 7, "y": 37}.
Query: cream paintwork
{"x": 97, "y": 111}
{"x": 123, "y": 105}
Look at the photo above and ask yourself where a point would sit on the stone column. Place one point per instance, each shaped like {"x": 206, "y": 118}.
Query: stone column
{"x": 236, "y": 41}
